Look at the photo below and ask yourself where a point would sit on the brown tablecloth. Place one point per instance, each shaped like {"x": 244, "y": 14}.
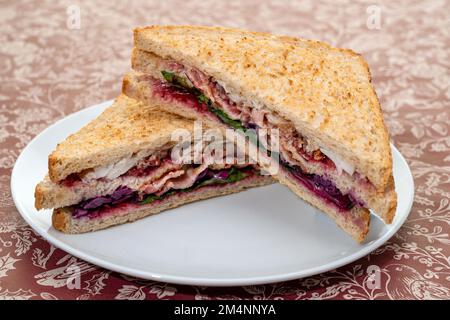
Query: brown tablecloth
{"x": 49, "y": 68}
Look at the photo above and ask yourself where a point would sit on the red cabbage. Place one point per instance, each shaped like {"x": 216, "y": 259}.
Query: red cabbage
{"x": 119, "y": 195}
{"x": 323, "y": 188}
{"x": 92, "y": 206}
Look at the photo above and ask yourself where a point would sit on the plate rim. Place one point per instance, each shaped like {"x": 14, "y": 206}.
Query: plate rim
{"x": 190, "y": 280}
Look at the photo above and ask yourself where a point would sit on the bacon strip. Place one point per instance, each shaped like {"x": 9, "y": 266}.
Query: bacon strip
{"x": 156, "y": 185}
{"x": 248, "y": 114}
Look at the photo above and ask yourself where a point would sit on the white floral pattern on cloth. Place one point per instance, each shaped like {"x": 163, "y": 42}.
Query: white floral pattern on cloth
{"x": 49, "y": 70}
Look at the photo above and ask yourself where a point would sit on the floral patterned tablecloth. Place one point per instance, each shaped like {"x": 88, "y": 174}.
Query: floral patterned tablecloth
{"x": 57, "y": 57}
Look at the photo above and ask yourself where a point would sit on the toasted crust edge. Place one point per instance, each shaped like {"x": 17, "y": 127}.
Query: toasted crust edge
{"x": 61, "y": 220}
{"x": 39, "y": 197}
{"x": 391, "y": 201}
{"x": 54, "y": 167}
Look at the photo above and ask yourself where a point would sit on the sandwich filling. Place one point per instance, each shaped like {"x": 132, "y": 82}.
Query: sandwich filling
{"x": 304, "y": 161}
{"x": 126, "y": 197}
{"x": 151, "y": 179}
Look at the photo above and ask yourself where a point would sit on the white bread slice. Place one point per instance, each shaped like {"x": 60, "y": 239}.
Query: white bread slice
{"x": 138, "y": 86}
{"x": 63, "y": 221}
{"x": 324, "y": 91}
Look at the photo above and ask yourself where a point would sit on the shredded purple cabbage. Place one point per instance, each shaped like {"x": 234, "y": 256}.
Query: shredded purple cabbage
{"x": 79, "y": 212}
{"x": 323, "y": 188}
{"x": 221, "y": 175}
{"x": 96, "y": 202}
{"x": 208, "y": 174}
{"x": 91, "y": 206}
{"x": 202, "y": 175}
{"x": 251, "y": 126}
{"x": 119, "y": 195}
{"x": 121, "y": 192}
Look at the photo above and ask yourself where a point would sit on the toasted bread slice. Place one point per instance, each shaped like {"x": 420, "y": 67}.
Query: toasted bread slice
{"x": 324, "y": 91}
{"x": 127, "y": 128}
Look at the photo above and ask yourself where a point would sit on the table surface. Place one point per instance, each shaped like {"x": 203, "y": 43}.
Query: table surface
{"x": 49, "y": 68}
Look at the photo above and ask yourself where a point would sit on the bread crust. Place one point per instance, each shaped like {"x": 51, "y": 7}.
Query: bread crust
{"x": 389, "y": 201}
{"x": 325, "y": 91}
{"x": 39, "y": 197}
{"x": 61, "y": 220}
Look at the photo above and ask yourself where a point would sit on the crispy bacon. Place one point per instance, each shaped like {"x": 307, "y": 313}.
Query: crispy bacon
{"x": 184, "y": 181}
{"x": 153, "y": 167}
{"x": 153, "y": 186}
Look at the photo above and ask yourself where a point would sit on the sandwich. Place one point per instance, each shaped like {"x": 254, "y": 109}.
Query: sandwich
{"x": 334, "y": 147}
{"x": 121, "y": 167}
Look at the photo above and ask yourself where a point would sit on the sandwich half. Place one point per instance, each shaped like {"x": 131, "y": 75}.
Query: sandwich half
{"x": 120, "y": 168}
{"x": 334, "y": 146}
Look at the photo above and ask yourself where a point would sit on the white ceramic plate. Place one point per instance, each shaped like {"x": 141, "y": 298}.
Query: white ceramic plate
{"x": 258, "y": 236}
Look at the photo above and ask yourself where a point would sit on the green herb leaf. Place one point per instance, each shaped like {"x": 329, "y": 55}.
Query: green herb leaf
{"x": 168, "y": 76}
{"x": 203, "y": 99}
{"x": 150, "y": 198}
{"x": 236, "y": 124}
{"x": 182, "y": 83}
{"x": 235, "y": 175}
{"x": 178, "y": 81}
